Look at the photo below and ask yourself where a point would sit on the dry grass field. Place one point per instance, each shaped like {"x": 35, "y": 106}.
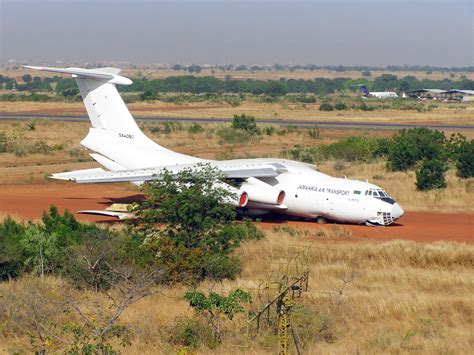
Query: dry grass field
{"x": 443, "y": 113}
{"x": 154, "y": 73}
{"x": 402, "y": 297}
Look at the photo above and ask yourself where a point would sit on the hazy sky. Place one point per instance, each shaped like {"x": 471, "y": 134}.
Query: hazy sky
{"x": 357, "y": 32}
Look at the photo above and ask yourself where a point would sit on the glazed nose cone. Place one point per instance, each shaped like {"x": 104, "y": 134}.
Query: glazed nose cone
{"x": 397, "y": 211}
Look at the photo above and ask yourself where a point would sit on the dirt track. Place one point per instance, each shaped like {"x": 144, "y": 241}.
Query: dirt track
{"x": 29, "y": 201}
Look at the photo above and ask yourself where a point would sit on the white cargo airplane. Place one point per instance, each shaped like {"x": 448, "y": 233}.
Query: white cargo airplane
{"x": 378, "y": 94}
{"x": 278, "y": 186}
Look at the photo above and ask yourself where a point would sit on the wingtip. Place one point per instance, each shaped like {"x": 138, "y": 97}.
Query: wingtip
{"x": 32, "y": 67}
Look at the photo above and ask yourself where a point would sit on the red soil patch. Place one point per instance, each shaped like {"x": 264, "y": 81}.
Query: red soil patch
{"x": 29, "y": 201}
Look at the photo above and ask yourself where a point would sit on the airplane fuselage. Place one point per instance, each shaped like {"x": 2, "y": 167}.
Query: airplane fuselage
{"x": 312, "y": 194}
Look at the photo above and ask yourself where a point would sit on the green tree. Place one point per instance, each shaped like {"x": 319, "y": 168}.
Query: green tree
{"x": 189, "y": 224}
{"x": 431, "y": 175}
{"x": 276, "y": 88}
{"x": 26, "y": 78}
{"x": 11, "y": 250}
{"x": 67, "y": 88}
{"x": 412, "y": 145}
{"x": 43, "y": 250}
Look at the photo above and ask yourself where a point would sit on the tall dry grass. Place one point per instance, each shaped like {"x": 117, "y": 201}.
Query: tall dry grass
{"x": 404, "y": 297}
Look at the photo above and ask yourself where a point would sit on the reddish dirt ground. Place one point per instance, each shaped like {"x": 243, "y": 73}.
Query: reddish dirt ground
{"x": 29, "y": 201}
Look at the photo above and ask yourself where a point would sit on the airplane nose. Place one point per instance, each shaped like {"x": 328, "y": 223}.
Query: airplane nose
{"x": 397, "y": 211}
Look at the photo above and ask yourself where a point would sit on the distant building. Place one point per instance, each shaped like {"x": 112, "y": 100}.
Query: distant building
{"x": 438, "y": 94}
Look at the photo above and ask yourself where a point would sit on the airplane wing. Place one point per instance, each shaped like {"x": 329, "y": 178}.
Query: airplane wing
{"x": 116, "y": 214}
{"x": 230, "y": 170}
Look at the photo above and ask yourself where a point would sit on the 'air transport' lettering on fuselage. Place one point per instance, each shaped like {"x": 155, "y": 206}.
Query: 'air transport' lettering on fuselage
{"x": 126, "y": 135}
{"x": 324, "y": 189}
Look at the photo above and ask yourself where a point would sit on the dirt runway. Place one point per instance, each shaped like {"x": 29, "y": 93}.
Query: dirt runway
{"x": 29, "y": 201}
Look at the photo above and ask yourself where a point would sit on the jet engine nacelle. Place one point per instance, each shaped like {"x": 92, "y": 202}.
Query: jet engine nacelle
{"x": 263, "y": 194}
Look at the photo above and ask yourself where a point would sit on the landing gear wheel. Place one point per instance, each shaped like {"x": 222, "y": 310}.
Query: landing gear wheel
{"x": 321, "y": 220}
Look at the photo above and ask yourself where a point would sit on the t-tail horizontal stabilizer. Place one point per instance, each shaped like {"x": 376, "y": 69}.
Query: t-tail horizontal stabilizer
{"x": 109, "y": 75}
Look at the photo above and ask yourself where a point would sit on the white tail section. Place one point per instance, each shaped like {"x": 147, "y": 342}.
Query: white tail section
{"x": 114, "y": 133}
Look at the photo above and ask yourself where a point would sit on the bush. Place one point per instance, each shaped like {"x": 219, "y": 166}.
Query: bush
{"x": 365, "y": 107}
{"x": 412, "y": 145}
{"x": 314, "y": 133}
{"x": 3, "y": 142}
{"x": 431, "y": 175}
{"x": 245, "y": 123}
{"x": 191, "y": 333}
{"x": 230, "y": 135}
{"x": 340, "y": 106}
{"x": 465, "y": 161}
{"x": 195, "y": 128}
{"x": 325, "y": 106}
{"x": 39, "y": 248}
{"x": 350, "y": 149}
{"x": 305, "y": 99}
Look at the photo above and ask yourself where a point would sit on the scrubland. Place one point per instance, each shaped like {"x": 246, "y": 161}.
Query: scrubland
{"x": 399, "y": 297}
{"x": 156, "y": 73}
{"x": 379, "y": 111}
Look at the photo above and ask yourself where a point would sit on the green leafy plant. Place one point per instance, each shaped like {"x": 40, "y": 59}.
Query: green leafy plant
{"x": 326, "y": 106}
{"x": 190, "y": 225}
{"x": 215, "y": 308}
{"x": 431, "y": 175}
{"x": 245, "y": 123}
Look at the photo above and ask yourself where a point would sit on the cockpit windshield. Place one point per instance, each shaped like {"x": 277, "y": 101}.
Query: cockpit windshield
{"x": 377, "y": 193}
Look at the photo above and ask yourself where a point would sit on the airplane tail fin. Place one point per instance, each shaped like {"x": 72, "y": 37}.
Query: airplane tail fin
{"x": 114, "y": 134}
{"x": 364, "y": 90}
{"x": 104, "y": 105}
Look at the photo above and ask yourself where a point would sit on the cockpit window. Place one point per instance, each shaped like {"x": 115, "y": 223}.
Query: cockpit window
{"x": 377, "y": 193}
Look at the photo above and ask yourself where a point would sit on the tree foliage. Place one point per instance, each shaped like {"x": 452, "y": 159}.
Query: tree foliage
{"x": 189, "y": 224}
{"x": 214, "y": 307}
{"x": 431, "y": 175}
{"x": 465, "y": 163}
{"x": 412, "y": 145}
{"x": 246, "y": 123}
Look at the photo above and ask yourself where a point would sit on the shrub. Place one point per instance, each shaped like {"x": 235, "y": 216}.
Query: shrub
{"x": 269, "y": 130}
{"x": 39, "y": 248}
{"x": 195, "y": 128}
{"x": 3, "y": 142}
{"x": 191, "y": 333}
{"x": 350, "y": 149}
{"x": 412, "y": 145}
{"x": 326, "y": 106}
{"x": 365, "y": 107}
{"x": 216, "y": 308}
{"x": 230, "y": 135}
{"x": 314, "y": 133}
{"x": 465, "y": 161}
{"x": 340, "y": 106}
{"x": 245, "y": 123}
{"x": 306, "y": 99}
{"x": 431, "y": 175}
